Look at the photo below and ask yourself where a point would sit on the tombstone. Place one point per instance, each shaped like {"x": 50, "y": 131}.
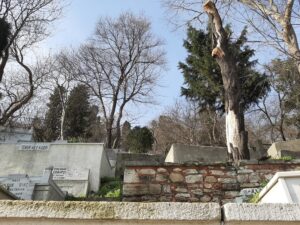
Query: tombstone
{"x": 20, "y": 185}
{"x": 73, "y": 181}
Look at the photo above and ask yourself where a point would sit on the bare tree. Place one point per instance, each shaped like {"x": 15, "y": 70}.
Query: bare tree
{"x": 277, "y": 24}
{"x": 28, "y": 21}
{"x": 183, "y": 123}
{"x": 275, "y": 21}
{"x": 236, "y": 135}
{"x": 120, "y": 64}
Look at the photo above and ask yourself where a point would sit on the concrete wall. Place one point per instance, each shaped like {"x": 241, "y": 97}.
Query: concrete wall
{"x": 128, "y": 159}
{"x": 71, "y": 156}
{"x": 285, "y": 148}
{"x": 112, "y": 213}
{"x": 218, "y": 182}
{"x": 107, "y": 213}
{"x": 15, "y": 135}
{"x": 180, "y": 153}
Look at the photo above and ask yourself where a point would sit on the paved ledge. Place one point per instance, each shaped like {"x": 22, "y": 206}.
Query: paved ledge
{"x": 110, "y": 211}
{"x": 261, "y": 212}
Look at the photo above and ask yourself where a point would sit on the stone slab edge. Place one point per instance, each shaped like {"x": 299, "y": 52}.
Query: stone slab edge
{"x": 111, "y": 210}
{"x": 261, "y": 212}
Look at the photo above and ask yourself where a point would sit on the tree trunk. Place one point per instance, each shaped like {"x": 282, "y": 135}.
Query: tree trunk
{"x": 236, "y": 136}
{"x": 62, "y": 122}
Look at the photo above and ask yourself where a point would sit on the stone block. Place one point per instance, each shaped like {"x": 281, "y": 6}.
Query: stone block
{"x": 217, "y": 172}
{"x": 182, "y": 196}
{"x": 162, "y": 170}
{"x": 176, "y": 177}
{"x": 243, "y": 171}
{"x": 206, "y": 185}
{"x": 197, "y": 192}
{"x": 210, "y": 179}
{"x": 131, "y": 176}
{"x": 227, "y": 180}
{"x": 243, "y": 178}
{"x": 206, "y": 198}
{"x": 177, "y": 170}
{"x": 249, "y": 185}
{"x": 146, "y": 178}
{"x": 231, "y": 186}
{"x": 231, "y": 194}
{"x": 181, "y": 190}
{"x": 190, "y": 171}
{"x": 154, "y": 189}
{"x": 191, "y": 179}
{"x": 161, "y": 178}
{"x": 135, "y": 189}
{"x": 146, "y": 171}
{"x": 254, "y": 178}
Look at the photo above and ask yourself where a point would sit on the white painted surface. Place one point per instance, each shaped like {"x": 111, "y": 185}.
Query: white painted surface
{"x": 72, "y": 156}
{"x": 14, "y": 135}
{"x": 180, "y": 153}
{"x": 258, "y": 214}
{"x": 284, "y": 187}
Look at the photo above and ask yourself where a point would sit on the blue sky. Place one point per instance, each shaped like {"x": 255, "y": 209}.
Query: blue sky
{"x": 78, "y": 24}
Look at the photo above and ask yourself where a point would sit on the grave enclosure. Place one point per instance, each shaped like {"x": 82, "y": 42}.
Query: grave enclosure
{"x": 77, "y": 168}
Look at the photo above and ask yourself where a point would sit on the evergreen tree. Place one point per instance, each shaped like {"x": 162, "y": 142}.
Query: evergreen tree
{"x": 202, "y": 76}
{"x": 53, "y": 115}
{"x": 4, "y": 34}
{"x": 140, "y": 140}
{"x": 78, "y": 113}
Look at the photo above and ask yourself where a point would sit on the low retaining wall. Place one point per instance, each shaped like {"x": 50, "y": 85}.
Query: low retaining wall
{"x": 120, "y": 213}
{"x": 62, "y": 213}
{"x": 220, "y": 183}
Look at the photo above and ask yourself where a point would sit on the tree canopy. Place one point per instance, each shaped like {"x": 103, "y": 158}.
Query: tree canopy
{"x": 202, "y": 75}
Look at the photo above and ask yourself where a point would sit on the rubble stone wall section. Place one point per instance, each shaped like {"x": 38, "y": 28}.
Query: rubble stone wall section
{"x": 219, "y": 183}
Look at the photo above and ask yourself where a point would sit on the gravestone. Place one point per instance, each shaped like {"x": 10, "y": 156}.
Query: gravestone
{"x": 20, "y": 185}
{"x": 74, "y": 181}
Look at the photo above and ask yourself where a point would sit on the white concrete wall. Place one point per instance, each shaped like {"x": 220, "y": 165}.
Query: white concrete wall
{"x": 275, "y": 149}
{"x": 71, "y": 156}
{"x": 180, "y": 153}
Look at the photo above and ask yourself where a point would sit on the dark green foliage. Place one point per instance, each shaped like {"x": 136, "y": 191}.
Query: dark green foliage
{"x": 78, "y": 114}
{"x": 53, "y": 115}
{"x": 38, "y": 134}
{"x": 140, "y": 140}
{"x": 4, "y": 34}
{"x": 110, "y": 188}
{"x": 202, "y": 75}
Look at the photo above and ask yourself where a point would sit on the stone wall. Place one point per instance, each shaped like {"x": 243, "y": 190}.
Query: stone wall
{"x": 197, "y": 183}
{"x": 121, "y": 213}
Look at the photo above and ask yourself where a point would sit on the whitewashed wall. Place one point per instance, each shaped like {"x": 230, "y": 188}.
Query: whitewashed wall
{"x": 71, "y": 156}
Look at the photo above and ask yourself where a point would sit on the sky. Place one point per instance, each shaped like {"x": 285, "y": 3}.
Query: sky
{"x": 78, "y": 24}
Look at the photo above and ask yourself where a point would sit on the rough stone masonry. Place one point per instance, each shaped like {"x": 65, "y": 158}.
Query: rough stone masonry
{"x": 221, "y": 182}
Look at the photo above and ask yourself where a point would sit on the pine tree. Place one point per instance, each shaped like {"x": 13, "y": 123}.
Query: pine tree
{"x": 140, "y": 140}
{"x": 202, "y": 75}
{"x": 78, "y": 113}
{"x": 4, "y": 34}
{"x": 53, "y": 115}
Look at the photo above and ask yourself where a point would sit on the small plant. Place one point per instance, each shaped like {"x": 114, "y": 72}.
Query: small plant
{"x": 254, "y": 198}
{"x": 287, "y": 158}
{"x": 110, "y": 188}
